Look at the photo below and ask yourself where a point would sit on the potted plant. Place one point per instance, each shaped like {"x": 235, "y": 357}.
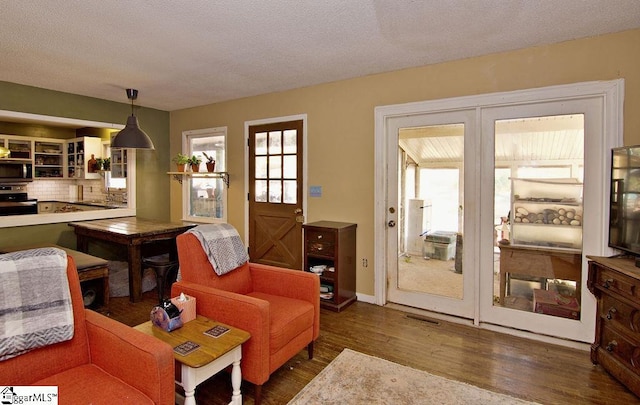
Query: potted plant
{"x": 99, "y": 164}
{"x": 181, "y": 161}
{"x": 211, "y": 162}
{"x": 195, "y": 161}
{"x": 106, "y": 163}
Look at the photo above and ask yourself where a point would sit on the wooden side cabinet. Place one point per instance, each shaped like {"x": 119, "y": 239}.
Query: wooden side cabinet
{"x": 616, "y": 284}
{"x": 332, "y": 245}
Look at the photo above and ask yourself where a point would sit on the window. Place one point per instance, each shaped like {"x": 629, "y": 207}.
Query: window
{"x": 204, "y": 195}
{"x": 276, "y": 166}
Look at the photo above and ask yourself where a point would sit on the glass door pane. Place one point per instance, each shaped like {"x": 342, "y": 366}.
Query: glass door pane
{"x": 429, "y": 268}
{"x": 539, "y": 242}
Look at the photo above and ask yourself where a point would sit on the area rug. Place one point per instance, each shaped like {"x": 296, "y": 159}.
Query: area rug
{"x": 357, "y": 378}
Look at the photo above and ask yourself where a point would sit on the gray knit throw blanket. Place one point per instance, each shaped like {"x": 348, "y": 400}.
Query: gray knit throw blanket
{"x": 35, "y": 302}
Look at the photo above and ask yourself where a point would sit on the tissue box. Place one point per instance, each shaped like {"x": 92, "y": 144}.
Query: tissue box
{"x": 188, "y": 308}
{"x": 161, "y": 319}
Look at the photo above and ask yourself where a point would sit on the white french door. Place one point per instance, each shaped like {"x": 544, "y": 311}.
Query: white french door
{"x": 455, "y": 129}
{"x": 482, "y": 198}
{"x": 555, "y": 128}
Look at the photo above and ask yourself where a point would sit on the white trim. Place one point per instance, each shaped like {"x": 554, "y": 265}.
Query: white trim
{"x": 305, "y": 176}
{"x": 7, "y": 115}
{"x": 369, "y": 299}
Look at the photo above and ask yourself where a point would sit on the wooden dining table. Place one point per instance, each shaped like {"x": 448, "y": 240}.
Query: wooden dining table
{"x": 131, "y": 232}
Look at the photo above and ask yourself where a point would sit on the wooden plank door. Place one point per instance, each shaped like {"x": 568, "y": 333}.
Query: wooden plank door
{"x": 275, "y": 194}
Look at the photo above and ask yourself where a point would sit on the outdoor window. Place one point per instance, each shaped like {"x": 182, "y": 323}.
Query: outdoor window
{"x": 204, "y": 193}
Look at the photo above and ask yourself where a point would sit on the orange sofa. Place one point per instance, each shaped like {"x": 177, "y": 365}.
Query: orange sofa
{"x": 106, "y": 362}
{"x": 279, "y": 307}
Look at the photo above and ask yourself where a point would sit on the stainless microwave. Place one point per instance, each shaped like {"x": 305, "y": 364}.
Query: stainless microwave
{"x": 14, "y": 171}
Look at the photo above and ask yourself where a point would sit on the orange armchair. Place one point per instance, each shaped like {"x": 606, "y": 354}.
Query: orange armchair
{"x": 279, "y": 307}
{"x": 106, "y": 362}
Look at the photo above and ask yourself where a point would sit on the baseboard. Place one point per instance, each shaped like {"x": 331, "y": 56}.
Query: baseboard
{"x": 369, "y": 299}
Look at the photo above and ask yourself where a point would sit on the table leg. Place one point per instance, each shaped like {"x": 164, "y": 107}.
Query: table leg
{"x": 236, "y": 379}
{"x": 189, "y": 384}
{"x": 503, "y": 285}
{"x": 135, "y": 272}
{"x": 82, "y": 243}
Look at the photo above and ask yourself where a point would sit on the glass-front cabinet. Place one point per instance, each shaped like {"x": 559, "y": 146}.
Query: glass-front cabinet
{"x": 19, "y": 147}
{"x": 118, "y": 163}
{"x": 49, "y": 159}
{"x": 79, "y": 152}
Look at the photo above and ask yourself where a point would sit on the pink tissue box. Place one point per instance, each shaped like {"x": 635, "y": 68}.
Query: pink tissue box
{"x": 187, "y": 307}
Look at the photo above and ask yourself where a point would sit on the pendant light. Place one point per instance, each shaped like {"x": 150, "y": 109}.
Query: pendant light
{"x": 132, "y": 136}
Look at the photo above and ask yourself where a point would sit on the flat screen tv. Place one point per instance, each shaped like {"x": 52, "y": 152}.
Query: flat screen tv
{"x": 624, "y": 210}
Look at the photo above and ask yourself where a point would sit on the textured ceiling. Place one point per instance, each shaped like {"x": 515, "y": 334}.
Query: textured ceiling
{"x": 181, "y": 54}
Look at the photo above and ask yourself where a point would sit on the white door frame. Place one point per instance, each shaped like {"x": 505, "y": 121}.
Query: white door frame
{"x": 612, "y": 94}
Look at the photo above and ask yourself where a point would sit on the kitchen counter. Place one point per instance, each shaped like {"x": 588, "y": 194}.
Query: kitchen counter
{"x": 62, "y": 206}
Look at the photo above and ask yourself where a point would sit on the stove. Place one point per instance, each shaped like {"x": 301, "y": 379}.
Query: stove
{"x": 14, "y": 201}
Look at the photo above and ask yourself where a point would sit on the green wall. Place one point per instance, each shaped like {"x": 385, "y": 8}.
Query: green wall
{"x": 152, "y": 181}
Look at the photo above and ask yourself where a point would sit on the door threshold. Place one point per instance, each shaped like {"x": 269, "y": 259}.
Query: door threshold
{"x": 423, "y": 314}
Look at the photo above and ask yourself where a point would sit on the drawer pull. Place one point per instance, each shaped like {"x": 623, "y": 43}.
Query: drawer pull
{"x": 612, "y": 345}
{"x": 610, "y": 313}
{"x": 319, "y": 248}
{"x": 607, "y": 283}
{"x": 319, "y": 236}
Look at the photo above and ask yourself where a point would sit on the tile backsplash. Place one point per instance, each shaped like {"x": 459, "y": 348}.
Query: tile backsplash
{"x": 59, "y": 190}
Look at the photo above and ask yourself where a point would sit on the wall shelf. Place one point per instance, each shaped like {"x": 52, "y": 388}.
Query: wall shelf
{"x": 179, "y": 176}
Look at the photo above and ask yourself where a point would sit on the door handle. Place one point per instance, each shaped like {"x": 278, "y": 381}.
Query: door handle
{"x": 391, "y": 223}
{"x": 297, "y": 211}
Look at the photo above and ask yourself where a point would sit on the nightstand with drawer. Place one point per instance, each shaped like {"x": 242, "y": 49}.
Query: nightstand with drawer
{"x": 331, "y": 246}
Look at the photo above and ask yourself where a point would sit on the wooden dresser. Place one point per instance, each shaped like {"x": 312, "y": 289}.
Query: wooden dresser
{"x": 616, "y": 284}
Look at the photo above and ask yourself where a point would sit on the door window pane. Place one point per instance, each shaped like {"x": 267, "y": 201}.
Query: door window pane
{"x": 290, "y": 168}
{"x": 290, "y": 141}
{"x": 290, "y": 191}
{"x": 261, "y": 190}
{"x": 275, "y": 167}
{"x": 430, "y": 259}
{"x": 539, "y": 251}
{"x": 261, "y": 167}
{"x": 275, "y": 142}
{"x": 275, "y": 191}
{"x": 278, "y": 162}
{"x": 261, "y": 143}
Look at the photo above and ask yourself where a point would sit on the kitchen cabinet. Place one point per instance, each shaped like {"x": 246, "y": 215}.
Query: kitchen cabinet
{"x": 48, "y": 159}
{"x": 118, "y": 163}
{"x": 615, "y": 282}
{"x": 20, "y": 147}
{"x": 79, "y": 151}
{"x": 546, "y": 213}
{"x": 332, "y": 246}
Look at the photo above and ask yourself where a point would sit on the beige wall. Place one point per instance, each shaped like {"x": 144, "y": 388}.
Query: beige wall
{"x": 341, "y": 120}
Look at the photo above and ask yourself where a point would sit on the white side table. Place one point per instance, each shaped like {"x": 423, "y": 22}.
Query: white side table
{"x": 213, "y": 355}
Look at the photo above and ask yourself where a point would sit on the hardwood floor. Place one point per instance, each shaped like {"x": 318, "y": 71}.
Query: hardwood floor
{"x": 526, "y": 369}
